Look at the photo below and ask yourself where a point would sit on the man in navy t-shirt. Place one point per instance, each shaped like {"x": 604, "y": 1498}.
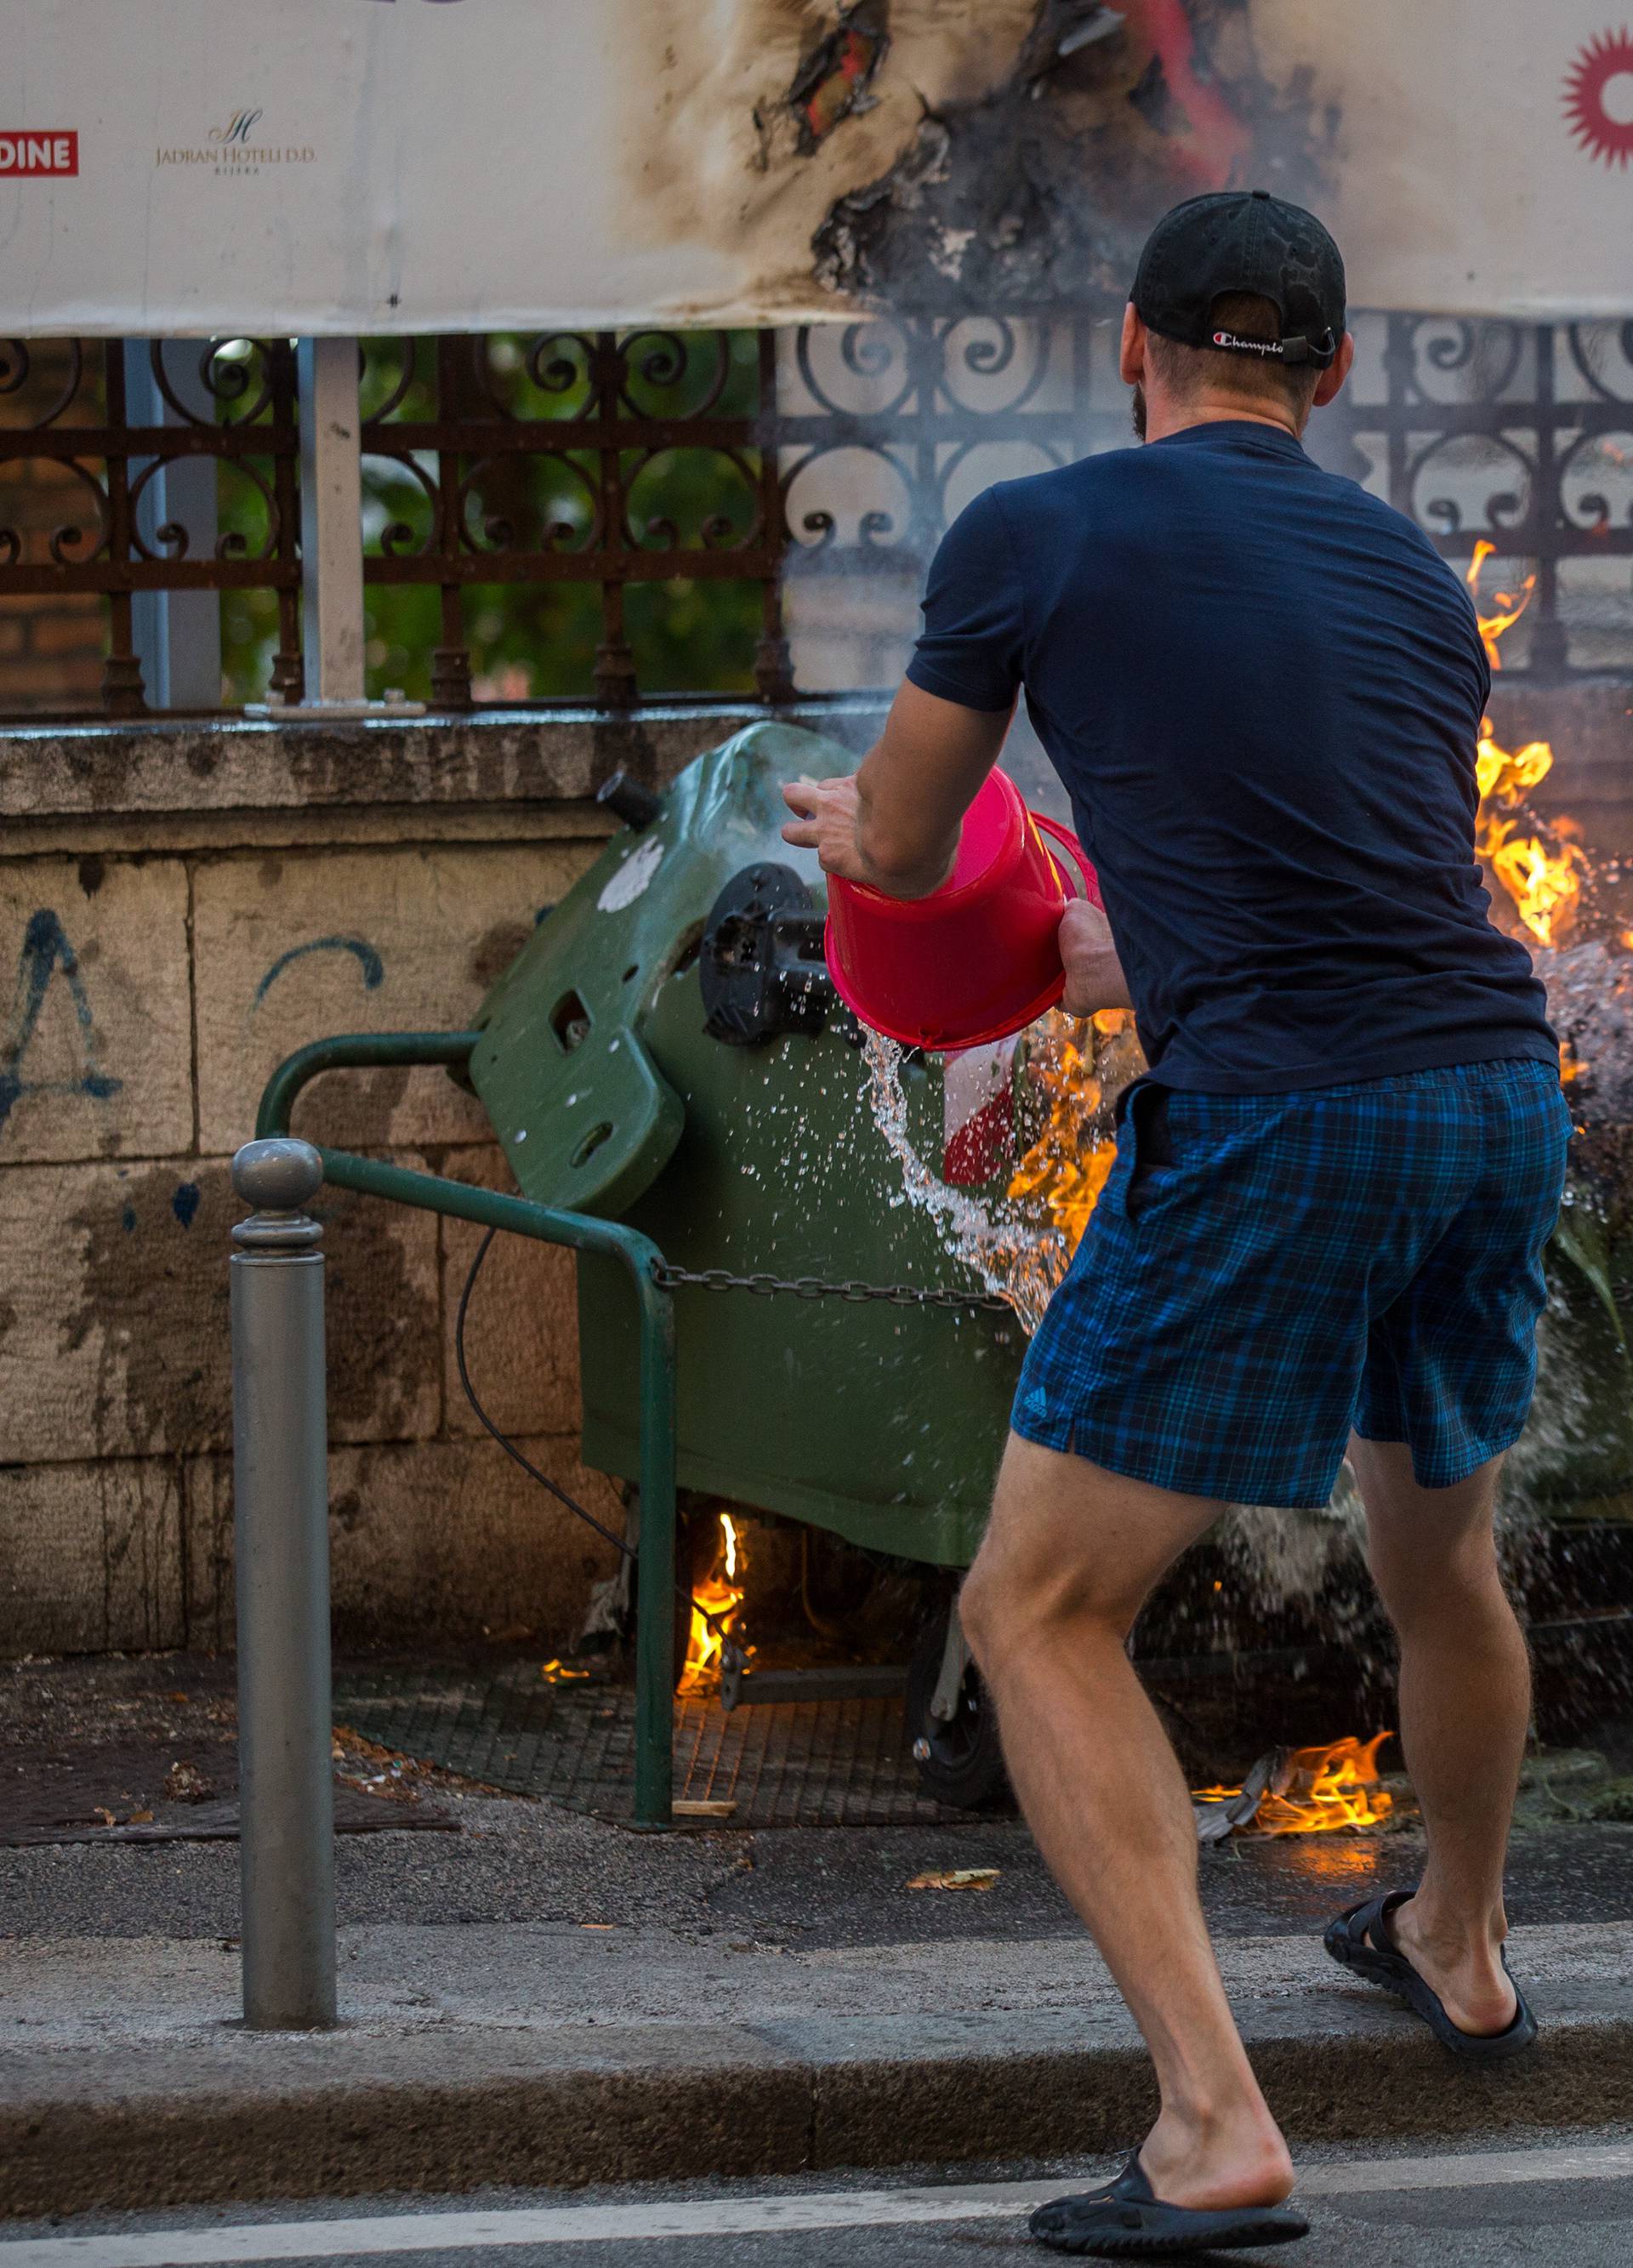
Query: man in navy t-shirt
{"x": 1263, "y": 689}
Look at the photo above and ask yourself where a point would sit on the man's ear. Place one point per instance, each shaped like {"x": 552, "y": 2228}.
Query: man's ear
{"x": 1131, "y": 357}
{"x": 1330, "y": 383}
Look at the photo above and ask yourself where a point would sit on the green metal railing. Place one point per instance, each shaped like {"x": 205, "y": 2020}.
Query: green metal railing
{"x": 654, "y": 1654}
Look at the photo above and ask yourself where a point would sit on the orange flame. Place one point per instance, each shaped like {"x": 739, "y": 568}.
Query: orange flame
{"x": 1076, "y": 1068}
{"x": 1063, "y": 1172}
{"x": 1543, "y": 877}
{"x": 1510, "y": 604}
{"x": 719, "y": 1595}
{"x": 1544, "y": 880}
{"x": 1324, "y": 1788}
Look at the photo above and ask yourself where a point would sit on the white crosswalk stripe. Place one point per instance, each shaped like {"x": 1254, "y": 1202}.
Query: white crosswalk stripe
{"x": 217, "y": 2246}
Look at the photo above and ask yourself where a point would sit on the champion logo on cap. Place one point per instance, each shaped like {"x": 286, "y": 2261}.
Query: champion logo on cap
{"x": 1291, "y": 351}
{"x": 1247, "y": 346}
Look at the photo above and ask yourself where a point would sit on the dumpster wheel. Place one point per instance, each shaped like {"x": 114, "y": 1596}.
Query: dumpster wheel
{"x": 958, "y": 1760}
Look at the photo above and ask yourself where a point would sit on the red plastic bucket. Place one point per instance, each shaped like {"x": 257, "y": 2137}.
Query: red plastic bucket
{"x": 977, "y": 959}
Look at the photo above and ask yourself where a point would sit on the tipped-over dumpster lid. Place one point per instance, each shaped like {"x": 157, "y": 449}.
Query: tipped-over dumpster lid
{"x": 587, "y": 1116}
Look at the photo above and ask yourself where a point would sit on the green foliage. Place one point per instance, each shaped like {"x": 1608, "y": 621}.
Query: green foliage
{"x": 1582, "y": 1237}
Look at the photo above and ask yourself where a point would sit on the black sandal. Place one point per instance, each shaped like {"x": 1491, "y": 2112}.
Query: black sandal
{"x": 1360, "y": 1940}
{"x": 1125, "y": 2220}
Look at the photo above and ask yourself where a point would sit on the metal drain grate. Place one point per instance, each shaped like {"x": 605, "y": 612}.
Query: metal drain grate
{"x": 784, "y": 1763}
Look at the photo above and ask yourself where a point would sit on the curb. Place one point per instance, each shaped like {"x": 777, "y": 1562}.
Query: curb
{"x": 231, "y": 2116}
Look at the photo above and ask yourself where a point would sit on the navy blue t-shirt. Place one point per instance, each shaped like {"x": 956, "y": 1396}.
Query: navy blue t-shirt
{"x": 1262, "y": 689}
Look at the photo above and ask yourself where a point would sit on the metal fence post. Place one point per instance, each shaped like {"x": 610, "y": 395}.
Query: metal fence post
{"x": 654, "y": 1601}
{"x": 331, "y": 519}
{"x": 280, "y": 1443}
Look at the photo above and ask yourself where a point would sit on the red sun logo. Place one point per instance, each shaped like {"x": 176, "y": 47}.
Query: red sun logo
{"x": 1599, "y": 98}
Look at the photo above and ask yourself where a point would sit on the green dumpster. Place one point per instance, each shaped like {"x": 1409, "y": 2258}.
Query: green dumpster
{"x": 665, "y": 1048}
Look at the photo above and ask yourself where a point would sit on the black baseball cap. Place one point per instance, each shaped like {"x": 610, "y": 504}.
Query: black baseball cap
{"x": 1243, "y": 240}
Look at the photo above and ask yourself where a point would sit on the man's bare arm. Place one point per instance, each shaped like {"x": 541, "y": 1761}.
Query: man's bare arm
{"x": 895, "y": 823}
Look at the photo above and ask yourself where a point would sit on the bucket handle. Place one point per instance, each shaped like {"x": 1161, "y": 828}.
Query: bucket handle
{"x": 1078, "y": 875}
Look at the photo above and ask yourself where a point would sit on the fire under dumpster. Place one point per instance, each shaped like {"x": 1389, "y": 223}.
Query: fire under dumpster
{"x": 667, "y": 1048}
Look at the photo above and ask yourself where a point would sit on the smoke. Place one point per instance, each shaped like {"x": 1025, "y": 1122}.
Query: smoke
{"x": 1043, "y": 188}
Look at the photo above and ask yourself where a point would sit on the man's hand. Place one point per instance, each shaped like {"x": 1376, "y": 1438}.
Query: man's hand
{"x": 1094, "y": 977}
{"x": 826, "y": 823}
{"x": 895, "y": 825}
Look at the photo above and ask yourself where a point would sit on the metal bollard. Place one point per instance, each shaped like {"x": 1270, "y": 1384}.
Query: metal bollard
{"x": 280, "y": 1445}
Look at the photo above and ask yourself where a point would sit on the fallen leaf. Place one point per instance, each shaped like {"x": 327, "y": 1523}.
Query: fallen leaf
{"x": 957, "y": 1878}
{"x": 598, "y": 1925}
{"x": 389, "y": 1791}
{"x": 101, "y": 1811}
{"x": 184, "y": 1783}
{"x": 140, "y": 1819}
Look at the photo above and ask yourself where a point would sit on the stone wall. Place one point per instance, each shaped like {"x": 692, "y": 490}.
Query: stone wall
{"x": 179, "y": 908}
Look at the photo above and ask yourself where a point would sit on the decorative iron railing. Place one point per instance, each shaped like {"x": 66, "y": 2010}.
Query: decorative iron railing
{"x": 1515, "y": 436}
{"x": 75, "y": 473}
{"x": 604, "y": 484}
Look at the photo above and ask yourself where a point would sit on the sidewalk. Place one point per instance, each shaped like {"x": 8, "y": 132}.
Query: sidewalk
{"x": 546, "y": 1999}
{"x": 533, "y": 1995}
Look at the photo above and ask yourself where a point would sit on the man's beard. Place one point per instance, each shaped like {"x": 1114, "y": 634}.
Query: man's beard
{"x": 1137, "y": 411}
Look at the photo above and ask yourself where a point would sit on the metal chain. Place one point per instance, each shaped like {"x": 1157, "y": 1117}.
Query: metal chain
{"x": 812, "y": 1287}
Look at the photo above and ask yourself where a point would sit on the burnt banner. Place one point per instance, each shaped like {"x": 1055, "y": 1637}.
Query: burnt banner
{"x": 201, "y": 166}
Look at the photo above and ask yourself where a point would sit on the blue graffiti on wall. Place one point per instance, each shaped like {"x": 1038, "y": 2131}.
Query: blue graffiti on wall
{"x": 46, "y": 951}
{"x": 367, "y": 959}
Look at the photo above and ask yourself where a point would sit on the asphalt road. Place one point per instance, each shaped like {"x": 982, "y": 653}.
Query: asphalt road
{"x": 1555, "y": 2202}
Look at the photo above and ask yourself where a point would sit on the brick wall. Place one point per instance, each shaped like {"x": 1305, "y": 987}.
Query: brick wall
{"x": 51, "y": 649}
{"x": 51, "y": 654}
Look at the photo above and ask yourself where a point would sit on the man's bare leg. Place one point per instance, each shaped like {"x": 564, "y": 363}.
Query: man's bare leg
{"x": 1465, "y": 1713}
{"x": 1069, "y": 1556}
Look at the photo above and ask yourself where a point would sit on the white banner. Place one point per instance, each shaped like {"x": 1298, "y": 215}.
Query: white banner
{"x": 207, "y": 167}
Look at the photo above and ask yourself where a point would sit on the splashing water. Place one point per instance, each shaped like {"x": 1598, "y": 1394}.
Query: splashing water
{"x": 1019, "y": 1242}
{"x": 965, "y": 1224}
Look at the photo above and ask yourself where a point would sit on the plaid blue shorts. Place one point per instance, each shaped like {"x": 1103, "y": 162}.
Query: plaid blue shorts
{"x": 1265, "y": 1273}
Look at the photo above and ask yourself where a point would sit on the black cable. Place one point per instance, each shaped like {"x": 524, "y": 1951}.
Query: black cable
{"x": 505, "y": 1443}
{"x": 822, "y": 1624}
{"x": 714, "y": 1620}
